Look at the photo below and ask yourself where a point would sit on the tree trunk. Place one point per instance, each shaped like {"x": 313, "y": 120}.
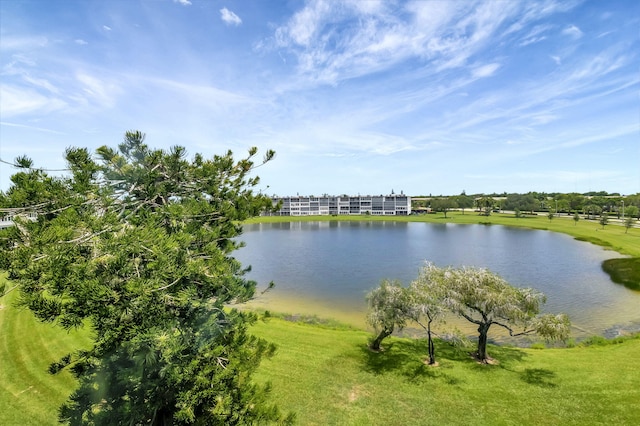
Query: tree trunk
{"x": 432, "y": 352}
{"x": 483, "y": 330}
{"x": 384, "y": 333}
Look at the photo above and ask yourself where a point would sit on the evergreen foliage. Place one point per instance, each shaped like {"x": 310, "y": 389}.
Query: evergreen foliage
{"x": 137, "y": 245}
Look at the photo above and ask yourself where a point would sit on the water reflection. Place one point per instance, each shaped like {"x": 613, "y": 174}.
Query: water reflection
{"x": 327, "y": 267}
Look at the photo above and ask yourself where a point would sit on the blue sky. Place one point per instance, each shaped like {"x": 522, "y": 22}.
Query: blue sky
{"x": 356, "y": 97}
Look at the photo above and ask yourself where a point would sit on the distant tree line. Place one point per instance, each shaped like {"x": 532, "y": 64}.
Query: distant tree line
{"x": 593, "y": 205}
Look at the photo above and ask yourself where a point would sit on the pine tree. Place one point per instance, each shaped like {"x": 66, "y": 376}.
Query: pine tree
{"x": 137, "y": 245}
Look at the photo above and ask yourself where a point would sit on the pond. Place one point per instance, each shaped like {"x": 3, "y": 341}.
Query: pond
{"x": 327, "y": 267}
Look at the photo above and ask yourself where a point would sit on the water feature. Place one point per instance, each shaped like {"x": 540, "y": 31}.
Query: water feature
{"x": 327, "y": 267}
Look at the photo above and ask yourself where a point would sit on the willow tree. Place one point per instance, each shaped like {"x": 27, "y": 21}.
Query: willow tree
{"x": 136, "y": 244}
{"x": 426, "y": 301}
{"x": 388, "y": 310}
{"x": 485, "y": 299}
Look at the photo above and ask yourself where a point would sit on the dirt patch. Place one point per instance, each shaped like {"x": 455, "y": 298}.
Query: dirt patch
{"x": 488, "y": 361}
{"x": 377, "y": 351}
{"x": 355, "y": 393}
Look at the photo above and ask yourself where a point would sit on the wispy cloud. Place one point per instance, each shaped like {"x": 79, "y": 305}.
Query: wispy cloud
{"x": 23, "y": 43}
{"x": 183, "y": 2}
{"x": 199, "y": 93}
{"x": 97, "y": 91}
{"x": 485, "y": 70}
{"x": 40, "y": 83}
{"x": 337, "y": 41}
{"x": 23, "y": 126}
{"x": 536, "y": 35}
{"x": 572, "y": 31}
{"x": 16, "y": 101}
{"x": 229, "y": 17}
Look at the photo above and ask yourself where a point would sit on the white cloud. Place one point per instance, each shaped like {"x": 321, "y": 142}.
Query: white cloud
{"x": 604, "y": 34}
{"x": 532, "y": 40}
{"x": 97, "y": 91}
{"x": 572, "y": 31}
{"x": 16, "y": 101}
{"x": 80, "y": 42}
{"x": 23, "y": 43}
{"x": 17, "y": 65}
{"x": 543, "y": 118}
{"x": 598, "y": 66}
{"x": 40, "y": 82}
{"x": 535, "y": 35}
{"x": 229, "y": 17}
{"x": 24, "y": 126}
{"x": 205, "y": 94}
{"x": 183, "y": 2}
{"x": 106, "y": 28}
{"x": 485, "y": 70}
{"x": 338, "y": 41}
{"x": 304, "y": 25}
{"x": 22, "y": 68}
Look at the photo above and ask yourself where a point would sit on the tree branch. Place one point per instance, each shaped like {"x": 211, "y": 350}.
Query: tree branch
{"x": 4, "y": 293}
{"x": 166, "y": 286}
{"x": 511, "y": 333}
{"x": 470, "y": 319}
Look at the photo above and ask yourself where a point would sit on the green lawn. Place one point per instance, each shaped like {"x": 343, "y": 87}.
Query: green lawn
{"x": 326, "y": 375}
{"x": 29, "y": 395}
{"x": 329, "y": 376}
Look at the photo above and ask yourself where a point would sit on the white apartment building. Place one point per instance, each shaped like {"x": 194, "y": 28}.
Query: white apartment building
{"x": 7, "y": 220}
{"x": 376, "y": 205}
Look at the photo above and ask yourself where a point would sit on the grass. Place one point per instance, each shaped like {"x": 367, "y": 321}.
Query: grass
{"x": 624, "y": 271}
{"x": 29, "y": 395}
{"x": 328, "y": 376}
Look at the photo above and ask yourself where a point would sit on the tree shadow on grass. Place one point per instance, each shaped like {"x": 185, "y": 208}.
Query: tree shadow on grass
{"x": 539, "y": 377}
{"x": 408, "y": 358}
{"x": 395, "y": 356}
{"x": 503, "y": 357}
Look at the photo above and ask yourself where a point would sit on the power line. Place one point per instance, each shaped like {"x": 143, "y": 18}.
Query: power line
{"x": 33, "y": 168}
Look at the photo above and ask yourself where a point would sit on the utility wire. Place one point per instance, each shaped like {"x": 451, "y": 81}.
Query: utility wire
{"x": 33, "y": 168}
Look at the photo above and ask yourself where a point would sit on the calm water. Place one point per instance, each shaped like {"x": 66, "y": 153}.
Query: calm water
{"x": 328, "y": 267}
